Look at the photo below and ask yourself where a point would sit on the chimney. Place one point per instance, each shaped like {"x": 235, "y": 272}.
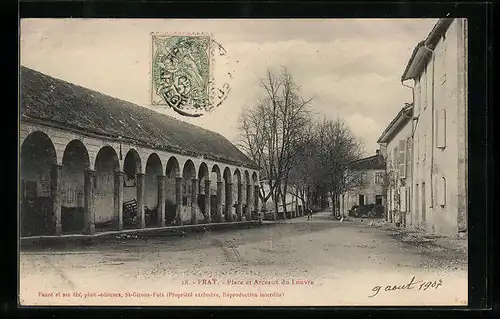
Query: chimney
{"x": 377, "y": 152}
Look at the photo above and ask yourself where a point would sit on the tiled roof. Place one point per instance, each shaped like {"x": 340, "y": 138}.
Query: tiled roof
{"x": 372, "y": 162}
{"x": 421, "y": 54}
{"x": 401, "y": 119}
{"x": 61, "y": 103}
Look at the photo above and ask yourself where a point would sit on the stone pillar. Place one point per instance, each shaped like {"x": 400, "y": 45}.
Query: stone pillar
{"x": 229, "y": 202}
{"x": 220, "y": 190}
{"x": 249, "y": 202}
{"x": 141, "y": 185}
{"x": 161, "y": 200}
{"x": 118, "y": 198}
{"x": 56, "y": 194}
{"x": 208, "y": 198}
{"x": 194, "y": 200}
{"x": 88, "y": 197}
{"x": 178, "y": 200}
{"x": 256, "y": 200}
{"x": 239, "y": 205}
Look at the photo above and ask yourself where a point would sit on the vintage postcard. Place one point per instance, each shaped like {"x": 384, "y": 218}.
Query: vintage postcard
{"x": 256, "y": 162}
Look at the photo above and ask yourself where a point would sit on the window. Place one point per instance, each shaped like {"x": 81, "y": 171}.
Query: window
{"x": 362, "y": 178}
{"x": 402, "y": 158}
{"x": 441, "y": 129}
{"x": 379, "y": 178}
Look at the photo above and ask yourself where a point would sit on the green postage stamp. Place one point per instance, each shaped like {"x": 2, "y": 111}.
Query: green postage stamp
{"x": 182, "y": 72}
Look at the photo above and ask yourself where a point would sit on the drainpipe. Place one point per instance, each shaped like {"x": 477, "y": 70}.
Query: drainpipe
{"x": 432, "y": 123}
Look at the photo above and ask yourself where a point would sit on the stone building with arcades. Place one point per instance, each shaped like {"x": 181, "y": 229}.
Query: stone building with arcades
{"x": 90, "y": 163}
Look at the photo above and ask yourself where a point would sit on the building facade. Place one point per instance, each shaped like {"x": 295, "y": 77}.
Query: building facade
{"x": 438, "y": 70}
{"x": 90, "y": 162}
{"x": 398, "y": 142}
{"x": 368, "y": 175}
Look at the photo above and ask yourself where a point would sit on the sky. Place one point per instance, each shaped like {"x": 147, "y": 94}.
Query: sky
{"x": 351, "y": 67}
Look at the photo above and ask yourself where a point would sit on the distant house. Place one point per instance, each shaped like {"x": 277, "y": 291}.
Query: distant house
{"x": 293, "y": 204}
{"x": 368, "y": 184}
{"x": 397, "y": 140}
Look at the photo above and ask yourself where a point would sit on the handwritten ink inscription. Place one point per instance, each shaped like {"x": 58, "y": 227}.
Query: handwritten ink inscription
{"x": 421, "y": 285}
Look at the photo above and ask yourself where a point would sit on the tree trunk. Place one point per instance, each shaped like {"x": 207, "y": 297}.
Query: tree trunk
{"x": 343, "y": 205}
{"x": 276, "y": 201}
{"x": 334, "y": 202}
{"x": 283, "y": 198}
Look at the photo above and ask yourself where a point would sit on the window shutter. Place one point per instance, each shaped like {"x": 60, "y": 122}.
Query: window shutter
{"x": 402, "y": 198}
{"x": 402, "y": 158}
{"x": 441, "y": 129}
{"x": 408, "y": 156}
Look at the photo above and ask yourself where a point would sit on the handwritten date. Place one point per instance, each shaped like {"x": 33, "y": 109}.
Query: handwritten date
{"x": 421, "y": 285}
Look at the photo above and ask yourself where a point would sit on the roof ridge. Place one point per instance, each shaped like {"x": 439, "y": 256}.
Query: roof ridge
{"x": 122, "y": 113}
{"x": 120, "y": 100}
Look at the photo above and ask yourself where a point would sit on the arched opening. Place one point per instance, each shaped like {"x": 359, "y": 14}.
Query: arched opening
{"x": 152, "y": 196}
{"x": 38, "y": 158}
{"x": 217, "y": 193}
{"x": 237, "y": 195}
{"x": 172, "y": 172}
{"x": 75, "y": 162}
{"x": 189, "y": 193}
{"x": 247, "y": 188}
{"x": 203, "y": 181}
{"x": 106, "y": 164}
{"x": 228, "y": 192}
{"x": 131, "y": 201}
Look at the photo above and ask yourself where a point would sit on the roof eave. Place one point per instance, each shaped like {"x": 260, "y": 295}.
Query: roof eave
{"x": 413, "y": 67}
{"x": 420, "y": 53}
{"x": 401, "y": 119}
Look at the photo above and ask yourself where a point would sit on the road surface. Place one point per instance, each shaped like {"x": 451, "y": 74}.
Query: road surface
{"x": 296, "y": 262}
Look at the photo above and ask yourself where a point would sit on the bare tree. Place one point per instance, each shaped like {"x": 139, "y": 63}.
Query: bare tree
{"x": 304, "y": 171}
{"x": 270, "y": 129}
{"x": 337, "y": 147}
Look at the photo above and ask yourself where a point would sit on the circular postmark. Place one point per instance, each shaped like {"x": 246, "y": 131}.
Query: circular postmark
{"x": 182, "y": 73}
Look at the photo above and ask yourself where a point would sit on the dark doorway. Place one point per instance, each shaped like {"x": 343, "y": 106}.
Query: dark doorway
{"x": 361, "y": 200}
{"x": 36, "y": 211}
{"x": 378, "y": 199}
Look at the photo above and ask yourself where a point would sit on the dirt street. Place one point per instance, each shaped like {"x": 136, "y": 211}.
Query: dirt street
{"x": 294, "y": 262}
